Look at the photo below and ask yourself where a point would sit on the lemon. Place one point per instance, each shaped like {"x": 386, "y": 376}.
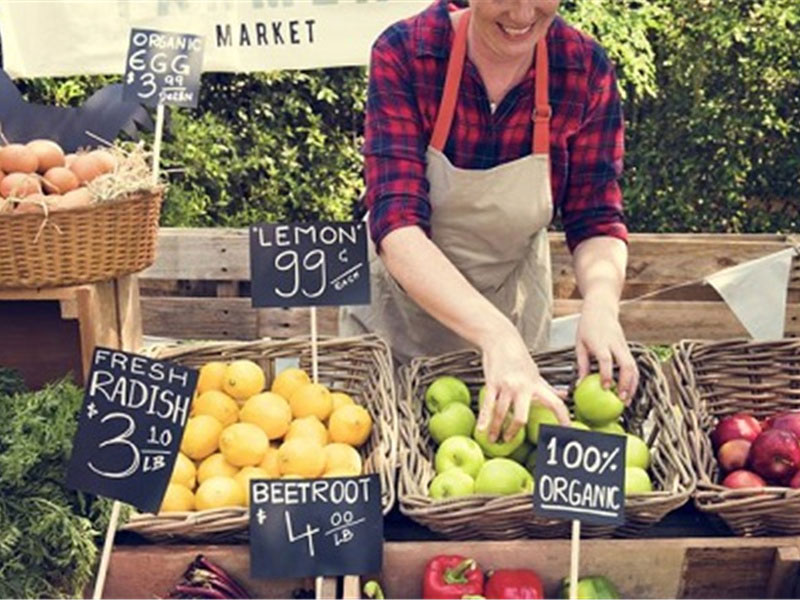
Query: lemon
{"x": 184, "y": 472}
{"x": 303, "y": 457}
{"x": 342, "y": 459}
{"x": 341, "y": 399}
{"x": 211, "y": 377}
{"x": 350, "y": 424}
{"x": 244, "y": 476}
{"x": 243, "y": 378}
{"x": 218, "y": 492}
{"x": 307, "y": 427}
{"x": 270, "y": 412}
{"x": 311, "y": 399}
{"x": 243, "y": 444}
{"x": 288, "y": 381}
{"x": 271, "y": 464}
{"x": 177, "y": 498}
{"x": 218, "y": 405}
{"x": 201, "y": 436}
{"x": 215, "y": 466}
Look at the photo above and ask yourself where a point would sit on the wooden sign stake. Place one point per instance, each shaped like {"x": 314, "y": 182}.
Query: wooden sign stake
{"x": 574, "y": 559}
{"x": 108, "y": 545}
{"x": 314, "y": 352}
{"x": 157, "y": 142}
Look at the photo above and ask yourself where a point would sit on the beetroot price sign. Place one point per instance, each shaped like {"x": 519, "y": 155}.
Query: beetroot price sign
{"x": 580, "y": 475}
{"x": 309, "y": 264}
{"x": 130, "y": 427}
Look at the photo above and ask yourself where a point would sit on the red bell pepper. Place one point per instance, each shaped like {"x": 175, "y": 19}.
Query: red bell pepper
{"x": 450, "y": 577}
{"x": 513, "y": 583}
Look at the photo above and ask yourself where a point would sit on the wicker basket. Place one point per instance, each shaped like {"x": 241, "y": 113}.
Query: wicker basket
{"x": 81, "y": 245}
{"x": 722, "y": 378}
{"x": 359, "y": 366}
{"x": 508, "y": 517}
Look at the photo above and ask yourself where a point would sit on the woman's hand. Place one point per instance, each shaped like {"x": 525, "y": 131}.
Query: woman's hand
{"x": 600, "y": 335}
{"x": 513, "y": 382}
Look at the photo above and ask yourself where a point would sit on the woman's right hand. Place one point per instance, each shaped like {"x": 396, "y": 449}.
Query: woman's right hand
{"x": 513, "y": 382}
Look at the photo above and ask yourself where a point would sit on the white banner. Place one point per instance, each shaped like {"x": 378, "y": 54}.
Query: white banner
{"x": 63, "y": 38}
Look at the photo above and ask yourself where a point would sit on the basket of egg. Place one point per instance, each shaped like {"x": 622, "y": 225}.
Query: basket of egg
{"x": 68, "y": 219}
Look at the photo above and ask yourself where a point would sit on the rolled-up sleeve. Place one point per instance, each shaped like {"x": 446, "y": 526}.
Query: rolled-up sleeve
{"x": 593, "y": 201}
{"x": 394, "y": 145}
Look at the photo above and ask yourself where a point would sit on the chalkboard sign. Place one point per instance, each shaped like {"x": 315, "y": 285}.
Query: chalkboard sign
{"x": 309, "y": 264}
{"x": 163, "y": 68}
{"x": 130, "y": 427}
{"x": 312, "y": 527}
{"x": 580, "y": 475}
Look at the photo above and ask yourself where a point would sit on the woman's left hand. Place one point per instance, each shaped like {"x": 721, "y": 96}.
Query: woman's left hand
{"x": 600, "y": 335}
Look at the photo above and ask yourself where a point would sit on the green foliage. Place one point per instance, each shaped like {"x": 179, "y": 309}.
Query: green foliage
{"x": 48, "y": 534}
{"x": 712, "y": 106}
{"x": 11, "y": 382}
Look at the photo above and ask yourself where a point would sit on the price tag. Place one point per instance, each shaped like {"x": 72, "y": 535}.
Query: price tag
{"x": 309, "y": 264}
{"x": 580, "y": 475}
{"x": 163, "y": 68}
{"x": 315, "y": 527}
{"x": 130, "y": 427}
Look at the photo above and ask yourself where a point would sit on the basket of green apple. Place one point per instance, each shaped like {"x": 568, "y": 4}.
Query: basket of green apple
{"x": 457, "y": 483}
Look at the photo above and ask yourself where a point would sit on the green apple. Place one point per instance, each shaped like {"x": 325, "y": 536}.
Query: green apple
{"x": 503, "y": 476}
{"x": 446, "y": 390}
{"x": 453, "y": 419}
{"x": 637, "y": 481}
{"x": 459, "y": 452}
{"x": 596, "y": 405}
{"x": 637, "y": 454}
{"x": 580, "y": 425}
{"x": 613, "y": 428}
{"x": 498, "y": 448}
{"x": 537, "y": 416}
{"x": 530, "y": 462}
{"x": 451, "y": 484}
{"x": 521, "y": 454}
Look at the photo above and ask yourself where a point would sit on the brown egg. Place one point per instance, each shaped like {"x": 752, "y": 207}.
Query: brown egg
{"x": 69, "y": 159}
{"x": 48, "y": 153}
{"x": 34, "y": 204}
{"x": 16, "y": 158}
{"x": 87, "y": 167}
{"x": 60, "y": 180}
{"x": 19, "y": 185}
{"x": 106, "y": 159}
{"x": 74, "y": 199}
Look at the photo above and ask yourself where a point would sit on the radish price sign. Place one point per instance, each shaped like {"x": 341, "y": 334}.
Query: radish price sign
{"x": 315, "y": 527}
{"x": 309, "y": 264}
{"x": 130, "y": 427}
{"x": 580, "y": 475}
{"x": 163, "y": 68}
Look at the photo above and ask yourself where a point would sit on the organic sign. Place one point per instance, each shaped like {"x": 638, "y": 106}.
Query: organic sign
{"x": 163, "y": 68}
{"x": 130, "y": 427}
{"x": 580, "y": 475}
{"x": 314, "y": 527}
{"x": 309, "y": 264}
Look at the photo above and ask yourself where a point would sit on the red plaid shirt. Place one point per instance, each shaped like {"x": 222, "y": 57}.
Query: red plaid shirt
{"x": 407, "y": 72}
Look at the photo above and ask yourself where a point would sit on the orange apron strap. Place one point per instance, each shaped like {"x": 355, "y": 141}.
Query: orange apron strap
{"x": 455, "y": 67}
{"x": 541, "y": 102}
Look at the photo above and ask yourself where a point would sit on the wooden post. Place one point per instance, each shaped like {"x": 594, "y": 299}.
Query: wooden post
{"x": 108, "y": 545}
{"x": 574, "y": 559}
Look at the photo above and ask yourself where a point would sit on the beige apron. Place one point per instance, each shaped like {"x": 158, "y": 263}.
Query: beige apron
{"x": 491, "y": 224}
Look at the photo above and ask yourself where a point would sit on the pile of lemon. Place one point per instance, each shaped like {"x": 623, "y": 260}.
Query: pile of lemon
{"x": 237, "y": 431}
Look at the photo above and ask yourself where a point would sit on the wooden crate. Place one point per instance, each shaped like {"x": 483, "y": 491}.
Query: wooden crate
{"x": 50, "y": 332}
{"x": 199, "y": 287}
{"x": 645, "y": 568}
{"x": 152, "y": 571}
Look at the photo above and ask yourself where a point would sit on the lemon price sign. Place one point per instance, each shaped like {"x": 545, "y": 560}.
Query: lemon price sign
{"x": 315, "y": 527}
{"x": 130, "y": 427}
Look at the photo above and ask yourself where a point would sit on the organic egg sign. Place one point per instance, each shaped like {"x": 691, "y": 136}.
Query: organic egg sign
{"x": 163, "y": 68}
{"x": 130, "y": 427}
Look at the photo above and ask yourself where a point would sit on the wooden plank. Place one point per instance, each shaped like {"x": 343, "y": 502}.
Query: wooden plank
{"x": 221, "y": 254}
{"x": 278, "y": 322}
{"x": 784, "y": 573}
{"x": 200, "y": 318}
{"x": 129, "y": 313}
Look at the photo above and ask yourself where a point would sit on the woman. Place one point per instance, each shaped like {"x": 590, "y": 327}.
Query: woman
{"x": 480, "y": 122}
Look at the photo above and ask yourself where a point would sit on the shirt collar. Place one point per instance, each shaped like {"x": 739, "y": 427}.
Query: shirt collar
{"x": 433, "y": 38}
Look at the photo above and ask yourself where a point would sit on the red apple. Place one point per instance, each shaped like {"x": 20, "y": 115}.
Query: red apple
{"x": 740, "y": 426}
{"x": 733, "y": 455}
{"x": 775, "y": 455}
{"x": 743, "y": 479}
{"x": 787, "y": 421}
{"x": 795, "y": 482}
